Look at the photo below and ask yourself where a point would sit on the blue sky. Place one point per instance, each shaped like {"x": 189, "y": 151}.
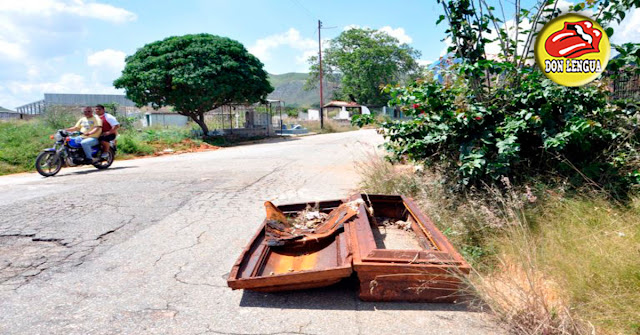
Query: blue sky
{"x": 79, "y": 46}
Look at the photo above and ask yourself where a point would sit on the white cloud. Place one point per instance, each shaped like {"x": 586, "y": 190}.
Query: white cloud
{"x": 18, "y": 93}
{"x": 38, "y": 38}
{"x": 11, "y": 50}
{"x": 424, "y": 62}
{"x": 292, "y": 38}
{"x": 34, "y": 29}
{"x": 628, "y": 30}
{"x": 494, "y": 49}
{"x": 447, "y": 43}
{"x": 398, "y": 33}
{"x": 66, "y": 83}
{"x": 79, "y": 8}
{"x": 110, "y": 59}
{"x": 302, "y": 59}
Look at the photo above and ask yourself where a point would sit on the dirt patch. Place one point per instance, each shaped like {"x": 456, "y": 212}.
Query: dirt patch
{"x": 394, "y": 234}
{"x": 183, "y": 146}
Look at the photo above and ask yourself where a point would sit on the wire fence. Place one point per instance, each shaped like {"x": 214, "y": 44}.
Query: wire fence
{"x": 626, "y": 86}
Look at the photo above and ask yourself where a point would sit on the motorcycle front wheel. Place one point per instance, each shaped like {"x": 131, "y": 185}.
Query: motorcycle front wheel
{"x": 48, "y": 163}
{"x": 105, "y": 162}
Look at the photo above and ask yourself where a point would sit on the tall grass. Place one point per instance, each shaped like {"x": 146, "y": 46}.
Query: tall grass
{"x": 150, "y": 140}
{"x": 545, "y": 263}
{"x": 20, "y": 143}
{"x": 330, "y": 126}
{"x": 592, "y": 247}
{"x": 131, "y": 142}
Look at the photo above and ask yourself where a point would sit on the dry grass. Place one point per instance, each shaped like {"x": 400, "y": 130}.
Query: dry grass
{"x": 330, "y": 126}
{"x": 518, "y": 288}
{"x": 546, "y": 263}
{"x": 592, "y": 248}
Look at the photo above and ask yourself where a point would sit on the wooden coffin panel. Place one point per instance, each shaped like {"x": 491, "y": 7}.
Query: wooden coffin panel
{"x": 270, "y": 269}
{"x": 433, "y": 273}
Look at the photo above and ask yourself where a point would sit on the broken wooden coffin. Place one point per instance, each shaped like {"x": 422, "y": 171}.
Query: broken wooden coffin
{"x": 290, "y": 264}
{"x": 396, "y": 251}
{"x": 400, "y": 255}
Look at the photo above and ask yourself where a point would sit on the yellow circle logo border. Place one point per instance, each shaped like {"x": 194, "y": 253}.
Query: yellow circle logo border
{"x": 572, "y": 50}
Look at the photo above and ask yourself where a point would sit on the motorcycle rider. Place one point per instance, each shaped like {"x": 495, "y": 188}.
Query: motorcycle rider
{"x": 110, "y": 127}
{"x": 91, "y": 127}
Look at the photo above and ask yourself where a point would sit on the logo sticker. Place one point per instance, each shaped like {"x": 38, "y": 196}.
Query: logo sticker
{"x": 572, "y": 50}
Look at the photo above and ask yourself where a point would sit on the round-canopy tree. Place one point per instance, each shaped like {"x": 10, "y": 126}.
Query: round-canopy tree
{"x": 194, "y": 74}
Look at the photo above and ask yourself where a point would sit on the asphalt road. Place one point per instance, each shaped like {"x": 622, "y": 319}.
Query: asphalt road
{"x": 145, "y": 247}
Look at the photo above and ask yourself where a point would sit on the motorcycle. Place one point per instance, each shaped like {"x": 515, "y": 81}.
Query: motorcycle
{"x": 67, "y": 151}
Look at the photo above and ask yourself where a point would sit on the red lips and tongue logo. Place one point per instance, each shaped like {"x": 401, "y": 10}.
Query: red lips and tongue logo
{"x": 575, "y": 40}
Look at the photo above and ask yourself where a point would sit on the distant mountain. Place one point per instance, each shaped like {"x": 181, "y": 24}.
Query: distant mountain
{"x": 289, "y": 87}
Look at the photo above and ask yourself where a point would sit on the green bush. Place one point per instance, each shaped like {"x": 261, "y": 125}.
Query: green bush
{"x": 131, "y": 143}
{"x": 20, "y": 143}
{"x": 58, "y": 117}
{"x": 171, "y": 135}
{"x": 531, "y": 128}
{"x": 361, "y": 120}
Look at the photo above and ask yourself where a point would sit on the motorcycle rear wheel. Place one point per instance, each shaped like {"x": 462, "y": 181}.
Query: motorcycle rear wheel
{"x": 48, "y": 163}
{"x": 105, "y": 163}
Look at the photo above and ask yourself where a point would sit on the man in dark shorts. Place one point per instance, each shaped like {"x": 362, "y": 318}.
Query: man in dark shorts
{"x": 109, "y": 129}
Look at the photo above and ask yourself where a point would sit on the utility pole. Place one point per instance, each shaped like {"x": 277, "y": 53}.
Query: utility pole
{"x": 320, "y": 63}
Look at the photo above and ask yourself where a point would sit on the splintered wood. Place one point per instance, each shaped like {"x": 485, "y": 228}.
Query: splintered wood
{"x": 282, "y": 231}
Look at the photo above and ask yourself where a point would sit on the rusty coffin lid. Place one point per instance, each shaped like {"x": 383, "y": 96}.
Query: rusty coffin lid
{"x": 266, "y": 268}
{"x": 399, "y": 254}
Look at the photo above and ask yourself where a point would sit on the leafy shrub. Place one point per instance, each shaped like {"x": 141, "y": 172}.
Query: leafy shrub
{"x": 130, "y": 143}
{"x": 361, "y": 120}
{"x": 170, "y": 135}
{"x": 58, "y": 117}
{"x": 20, "y": 143}
{"x": 531, "y": 128}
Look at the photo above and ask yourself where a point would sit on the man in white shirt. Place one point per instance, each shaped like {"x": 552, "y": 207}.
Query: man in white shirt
{"x": 109, "y": 129}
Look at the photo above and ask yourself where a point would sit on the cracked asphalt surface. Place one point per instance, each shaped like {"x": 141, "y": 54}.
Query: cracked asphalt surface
{"x": 145, "y": 247}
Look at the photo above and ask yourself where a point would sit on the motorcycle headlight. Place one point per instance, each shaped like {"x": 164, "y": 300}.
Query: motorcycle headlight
{"x": 57, "y": 137}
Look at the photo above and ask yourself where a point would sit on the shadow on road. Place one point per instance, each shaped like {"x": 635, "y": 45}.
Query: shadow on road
{"x": 341, "y": 296}
{"x": 274, "y": 139}
{"x": 94, "y": 171}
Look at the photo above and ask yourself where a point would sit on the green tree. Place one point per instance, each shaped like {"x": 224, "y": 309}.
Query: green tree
{"x": 194, "y": 74}
{"x": 363, "y": 60}
{"x": 491, "y": 118}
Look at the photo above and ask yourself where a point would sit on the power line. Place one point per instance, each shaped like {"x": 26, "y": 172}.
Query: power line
{"x": 308, "y": 12}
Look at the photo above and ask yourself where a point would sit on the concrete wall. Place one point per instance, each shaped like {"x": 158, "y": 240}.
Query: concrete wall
{"x": 9, "y": 115}
{"x": 244, "y": 132}
{"x": 167, "y": 119}
{"x": 86, "y": 99}
{"x": 314, "y": 115}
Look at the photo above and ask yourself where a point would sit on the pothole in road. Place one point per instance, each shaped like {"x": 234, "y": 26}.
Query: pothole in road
{"x": 23, "y": 257}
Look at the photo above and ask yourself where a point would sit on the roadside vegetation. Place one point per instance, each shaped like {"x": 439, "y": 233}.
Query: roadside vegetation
{"x": 536, "y": 184}
{"x": 21, "y": 141}
{"x": 330, "y": 126}
{"x": 546, "y": 260}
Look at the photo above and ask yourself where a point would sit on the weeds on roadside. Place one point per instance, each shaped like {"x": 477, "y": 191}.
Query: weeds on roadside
{"x": 330, "y": 126}
{"x": 20, "y": 143}
{"x": 545, "y": 262}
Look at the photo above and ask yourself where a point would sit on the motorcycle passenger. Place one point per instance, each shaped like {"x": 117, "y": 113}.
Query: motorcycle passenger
{"x": 91, "y": 127}
{"x": 110, "y": 127}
